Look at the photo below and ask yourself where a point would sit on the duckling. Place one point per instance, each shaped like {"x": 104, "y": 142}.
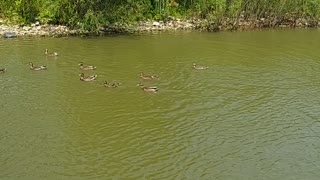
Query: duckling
{"x": 111, "y": 85}
{"x": 147, "y": 77}
{"x": 199, "y": 67}
{"x": 86, "y": 67}
{"x": 37, "y": 68}
{"x": 87, "y": 78}
{"x": 148, "y": 88}
{"x": 50, "y": 54}
{"x": 3, "y": 70}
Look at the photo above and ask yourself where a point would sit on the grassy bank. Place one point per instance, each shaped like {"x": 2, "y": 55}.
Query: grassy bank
{"x": 93, "y": 15}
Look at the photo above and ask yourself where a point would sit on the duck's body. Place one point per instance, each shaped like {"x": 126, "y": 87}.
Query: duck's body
{"x": 37, "y": 68}
{"x": 148, "y": 88}
{"x": 147, "y": 77}
{"x": 50, "y": 54}
{"x": 86, "y": 67}
{"x": 111, "y": 85}
{"x": 88, "y": 78}
{"x": 199, "y": 67}
{"x": 3, "y": 70}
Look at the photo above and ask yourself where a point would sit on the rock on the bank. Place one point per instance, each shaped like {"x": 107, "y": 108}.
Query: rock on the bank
{"x": 35, "y": 29}
{"x": 9, "y": 35}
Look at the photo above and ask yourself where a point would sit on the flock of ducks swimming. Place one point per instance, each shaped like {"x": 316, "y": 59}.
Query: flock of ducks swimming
{"x": 94, "y": 77}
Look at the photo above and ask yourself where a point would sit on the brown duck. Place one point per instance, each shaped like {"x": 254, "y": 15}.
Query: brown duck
{"x": 199, "y": 67}
{"x": 87, "y": 78}
{"x": 3, "y": 70}
{"x": 46, "y": 52}
{"x": 83, "y": 67}
{"x": 111, "y": 85}
{"x": 148, "y": 88}
{"x": 147, "y": 77}
{"x": 37, "y": 68}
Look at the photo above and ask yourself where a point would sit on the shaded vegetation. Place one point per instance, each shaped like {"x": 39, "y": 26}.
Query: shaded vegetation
{"x": 90, "y": 15}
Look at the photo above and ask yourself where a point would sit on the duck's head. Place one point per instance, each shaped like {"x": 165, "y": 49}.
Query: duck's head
{"x": 46, "y": 51}
{"x": 194, "y": 64}
{"x": 81, "y": 75}
{"x": 30, "y": 63}
{"x": 80, "y": 64}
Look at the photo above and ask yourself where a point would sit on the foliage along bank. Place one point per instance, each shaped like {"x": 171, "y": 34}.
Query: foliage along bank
{"x": 96, "y": 16}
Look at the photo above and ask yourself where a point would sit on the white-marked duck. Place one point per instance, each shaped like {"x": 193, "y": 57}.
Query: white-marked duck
{"x": 147, "y": 77}
{"x": 199, "y": 67}
{"x": 148, "y": 88}
{"x": 83, "y": 67}
{"x": 37, "y": 68}
{"x": 87, "y": 78}
{"x": 3, "y": 70}
{"x": 46, "y": 52}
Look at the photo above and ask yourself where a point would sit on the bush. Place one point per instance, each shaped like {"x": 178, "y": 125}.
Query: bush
{"x": 92, "y": 15}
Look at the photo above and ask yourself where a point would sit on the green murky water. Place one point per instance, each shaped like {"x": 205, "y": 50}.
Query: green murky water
{"x": 254, "y": 114}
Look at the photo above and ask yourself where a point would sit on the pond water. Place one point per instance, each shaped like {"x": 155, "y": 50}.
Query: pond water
{"x": 254, "y": 114}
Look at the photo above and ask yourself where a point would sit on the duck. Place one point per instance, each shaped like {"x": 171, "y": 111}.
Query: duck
{"x": 46, "y": 52}
{"x": 199, "y": 67}
{"x": 37, "y": 68}
{"x": 148, "y": 88}
{"x": 111, "y": 85}
{"x": 86, "y": 67}
{"x": 147, "y": 77}
{"x": 87, "y": 78}
{"x": 3, "y": 70}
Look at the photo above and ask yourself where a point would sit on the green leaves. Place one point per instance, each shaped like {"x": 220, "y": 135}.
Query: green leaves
{"x": 91, "y": 15}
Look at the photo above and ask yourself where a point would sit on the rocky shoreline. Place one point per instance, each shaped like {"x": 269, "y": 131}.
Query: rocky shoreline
{"x": 171, "y": 24}
{"x": 226, "y": 24}
{"x": 35, "y": 29}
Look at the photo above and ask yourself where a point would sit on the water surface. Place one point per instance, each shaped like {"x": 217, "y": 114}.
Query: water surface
{"x": 254, "y": 114}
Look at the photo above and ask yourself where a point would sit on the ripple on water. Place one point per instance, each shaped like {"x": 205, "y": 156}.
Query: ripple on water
{"x": 253, "y": 113}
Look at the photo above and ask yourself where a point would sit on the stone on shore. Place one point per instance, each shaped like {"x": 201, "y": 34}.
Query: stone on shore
{"x": 9, "y": 35}
{"x": 169, "y": 24}
{"x": 35, "y": 29}
{"x": 155, "y": 23}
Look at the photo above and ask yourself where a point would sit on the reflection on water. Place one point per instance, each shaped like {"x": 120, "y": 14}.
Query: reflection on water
{"x": 254, "y": 114}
